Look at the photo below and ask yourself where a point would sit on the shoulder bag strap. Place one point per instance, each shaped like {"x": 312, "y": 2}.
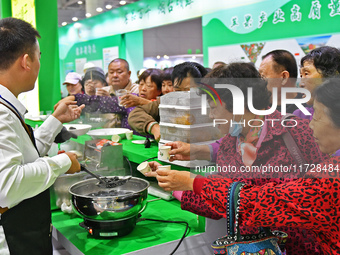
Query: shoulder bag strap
{"x": 232, "y": 209}
{"x": 237, "y": 202}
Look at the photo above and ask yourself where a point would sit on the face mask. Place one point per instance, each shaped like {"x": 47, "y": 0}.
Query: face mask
{"x": 236, "y": 128}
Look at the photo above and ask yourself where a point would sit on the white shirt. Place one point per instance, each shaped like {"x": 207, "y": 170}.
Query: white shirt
{"x": 23, "y": 174}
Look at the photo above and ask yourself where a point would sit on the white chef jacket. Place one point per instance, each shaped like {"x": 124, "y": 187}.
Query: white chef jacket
{"x": 23, "y": 174}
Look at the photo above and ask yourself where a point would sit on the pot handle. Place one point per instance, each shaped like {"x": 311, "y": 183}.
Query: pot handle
{"x": 125, "y": 198}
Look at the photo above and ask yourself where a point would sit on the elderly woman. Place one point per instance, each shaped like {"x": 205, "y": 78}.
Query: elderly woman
{"x": 247, "y": 146}
{"x": 317, "y": 65}
{"x": 185, "y": 151}
{"x": 150, "y": 87}
{"x": 310, "y": 202}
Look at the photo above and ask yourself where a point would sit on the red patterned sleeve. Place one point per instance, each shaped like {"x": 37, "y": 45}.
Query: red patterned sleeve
{"x": 196, "y": 204}
{"x": 193, "y": 201}
{"x": 306, "y": 203}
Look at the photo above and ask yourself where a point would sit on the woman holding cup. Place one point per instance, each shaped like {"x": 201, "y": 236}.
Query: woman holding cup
{"x": 248, "y": 147}
{"x": 95, "y": 83}
{"x": 310, "y": 202}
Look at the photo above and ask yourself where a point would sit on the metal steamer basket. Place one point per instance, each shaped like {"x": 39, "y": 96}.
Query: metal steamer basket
{"x": 109, "y": 212}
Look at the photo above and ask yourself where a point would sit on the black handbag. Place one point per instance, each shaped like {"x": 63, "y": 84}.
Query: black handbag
{"x": 266, "y": 242}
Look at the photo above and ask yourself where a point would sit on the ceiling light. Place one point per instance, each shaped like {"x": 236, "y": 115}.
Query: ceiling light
{"x": 122, "y": 2}
{"x": 108, "y": 6}
{"x": 158, "y": 56}
{"x": 64, "y": 23}
{"x": 99, "y": 9}
{"x": 166, "y": 56}
{"x": 193, "y": 57}
{"x": 75, "y": 19}
{"x": 88, "y": 15}
{"x": 80, "y": 2}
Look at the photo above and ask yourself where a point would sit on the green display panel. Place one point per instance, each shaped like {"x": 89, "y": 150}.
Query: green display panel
{"x": 305, "y": 23}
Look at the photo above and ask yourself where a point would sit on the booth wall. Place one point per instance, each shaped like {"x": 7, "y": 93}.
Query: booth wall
{"x": 49, "y": 79}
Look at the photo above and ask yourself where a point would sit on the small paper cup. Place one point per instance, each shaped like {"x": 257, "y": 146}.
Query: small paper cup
{"x": 129, "y": 135}
{"x": 164, "y": 152}
{"x": 166, "y": 167}
{"x": 115, "y": 138}
{"x": 144, "y": 167}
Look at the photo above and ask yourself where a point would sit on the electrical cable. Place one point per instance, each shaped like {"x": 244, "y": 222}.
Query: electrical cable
{"x": 186, "y": 232}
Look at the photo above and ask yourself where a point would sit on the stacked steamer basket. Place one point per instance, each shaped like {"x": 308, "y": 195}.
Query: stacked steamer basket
{"x": 181, "y": 119}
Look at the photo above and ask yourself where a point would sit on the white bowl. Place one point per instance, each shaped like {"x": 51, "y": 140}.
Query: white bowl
{"x": 106, "y": 133}
{"x": 78, "y": 129}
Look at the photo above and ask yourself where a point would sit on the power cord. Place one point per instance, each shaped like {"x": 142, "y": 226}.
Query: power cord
{"x": 186, "y": 232}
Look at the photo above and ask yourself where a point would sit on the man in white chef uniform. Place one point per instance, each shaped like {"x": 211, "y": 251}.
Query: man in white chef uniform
{"x": 25, "y": 175}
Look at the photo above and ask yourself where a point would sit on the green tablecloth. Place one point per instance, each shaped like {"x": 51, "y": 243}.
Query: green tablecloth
{"x": 146, "y": 233}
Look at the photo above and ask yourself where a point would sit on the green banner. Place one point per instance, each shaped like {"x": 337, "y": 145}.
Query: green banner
{"x": 295, "y": 25}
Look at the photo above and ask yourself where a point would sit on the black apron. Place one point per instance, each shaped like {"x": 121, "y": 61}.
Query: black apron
{"x": 27, "y": 226}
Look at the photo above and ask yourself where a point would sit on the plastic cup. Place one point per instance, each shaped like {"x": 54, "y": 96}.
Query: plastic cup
{"x": 164, "y": 152}
{"x": 144, "y": 167}
{"x": 129, "y": 134}
{"x": 119, "y": 94}
{"x": 166, "y": 167}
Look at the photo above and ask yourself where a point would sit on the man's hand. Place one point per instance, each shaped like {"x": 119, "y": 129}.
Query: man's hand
{"x": 75, "y": 166}
{"x": 66, "y": 99}
{"x": 179, "y": 151}
{"x": 68, "y": 111}
{"x": 171, "y": 180}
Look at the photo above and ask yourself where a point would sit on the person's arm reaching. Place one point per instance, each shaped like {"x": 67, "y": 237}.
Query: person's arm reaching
{"x": 142, "y": 117}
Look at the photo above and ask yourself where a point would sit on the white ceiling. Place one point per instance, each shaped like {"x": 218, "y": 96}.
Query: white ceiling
{"x": 67, "y": 9}
{"x": 172, "y": 39}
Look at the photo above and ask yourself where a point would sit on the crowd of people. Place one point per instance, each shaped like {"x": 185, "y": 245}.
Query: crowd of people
{"x": 254, "y": 146}
{"x": 304, "y": 204}
{"x": 301, "y": 204}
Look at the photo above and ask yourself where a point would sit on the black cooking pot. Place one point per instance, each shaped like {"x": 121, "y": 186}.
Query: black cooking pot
{"x": 93, "y": 201}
